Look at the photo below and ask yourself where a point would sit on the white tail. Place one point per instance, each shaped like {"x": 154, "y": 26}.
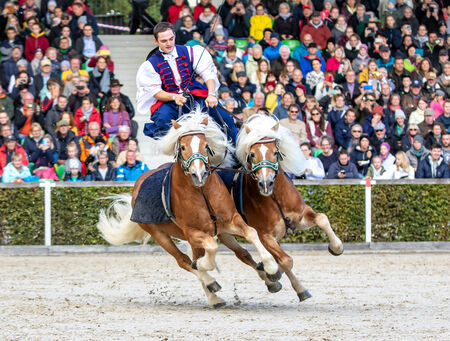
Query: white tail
{"x": 116, "y": 227}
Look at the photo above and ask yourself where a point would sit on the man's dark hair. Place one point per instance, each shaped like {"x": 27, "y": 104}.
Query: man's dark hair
{"x": 87, "y": 25}
{"x": 343, "y": 151}
{"x": 231, "y": 48}
{"x": 294, "y": 106}
{"x": 436, "y": 146}
{"x": 162, "y": 27}
{"x": 307, "y": 144}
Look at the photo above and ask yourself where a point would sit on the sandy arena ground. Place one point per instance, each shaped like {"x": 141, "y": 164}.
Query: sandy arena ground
{"x": 147, "y": 297}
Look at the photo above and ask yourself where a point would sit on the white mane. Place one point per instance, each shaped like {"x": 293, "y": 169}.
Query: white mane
{"x": 260, "y": 127}
{"x": 216, "y": 139}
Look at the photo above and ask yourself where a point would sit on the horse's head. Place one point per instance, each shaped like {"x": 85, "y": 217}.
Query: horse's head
{"x": 193, "y": 152}
{"x": 263, "y": 161}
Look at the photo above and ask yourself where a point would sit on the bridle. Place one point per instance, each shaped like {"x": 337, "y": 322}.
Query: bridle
{"x": 273, "y": 165}
{"x": 185, "y": 164}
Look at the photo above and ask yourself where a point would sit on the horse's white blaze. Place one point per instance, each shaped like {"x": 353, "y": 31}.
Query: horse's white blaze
{"x": 195, "y": 146}
{"x": 263, "y": 150}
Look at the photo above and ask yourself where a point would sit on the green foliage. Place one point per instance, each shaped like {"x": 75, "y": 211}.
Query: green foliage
{"x": 101, "y": 7}
{"x": 399, "y": 213}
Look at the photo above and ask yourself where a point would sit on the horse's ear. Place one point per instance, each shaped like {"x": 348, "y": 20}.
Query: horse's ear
{"x": 275, "y": 127}
{"x": 175, "y": 124}
{"x": 205, "y": 121}
{"x": 247, "y": 129}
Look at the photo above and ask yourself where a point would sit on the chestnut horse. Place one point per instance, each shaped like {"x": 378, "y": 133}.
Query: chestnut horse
{"x": 196, "y": 198}
{"x": 271, "y": 202}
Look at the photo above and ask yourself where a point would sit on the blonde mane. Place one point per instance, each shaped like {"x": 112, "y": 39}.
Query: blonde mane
{"x": 216, "y": 139}
{"x": 261, "y": 127}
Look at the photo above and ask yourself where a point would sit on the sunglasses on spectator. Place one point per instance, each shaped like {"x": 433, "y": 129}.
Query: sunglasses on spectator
{"x": 356, "y": 131}
{"x": 315, "y": 113}
{"x": 412, "y": 128}
{"x": 379, "y": 130}
{"x": 294, "y": 111}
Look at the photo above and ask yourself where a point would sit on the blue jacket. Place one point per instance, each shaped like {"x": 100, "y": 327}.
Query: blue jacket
{"x": 424, "y": 169}
{"x": 305, "y": 65}
{"x": 127, "y": 173}
{"x": 301, "y": 51}
{"x": 272, "y": 52}
{"x": 334, "y": 116}
{"x": 343, "y": 133}
{"x": 388, "y": 65}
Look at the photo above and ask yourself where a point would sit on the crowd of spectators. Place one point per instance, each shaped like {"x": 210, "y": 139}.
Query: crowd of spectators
{"x": 364, "y": 86}
{"x": 62, "y": 113}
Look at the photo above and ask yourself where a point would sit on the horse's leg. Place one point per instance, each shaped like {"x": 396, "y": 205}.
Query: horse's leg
{"x": 311, "y": 218}
{"x": 239, "y": 228}
{"x": 201, "y": 240}
{"x": 244, "y": 256}
{"x": 286, "y": 263}
{"x": 184, "y": 262}
{"x": 211, "y": 283}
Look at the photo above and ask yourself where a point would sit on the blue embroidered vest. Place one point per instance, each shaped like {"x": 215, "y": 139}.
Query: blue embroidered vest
{"x": 185, "y": 69}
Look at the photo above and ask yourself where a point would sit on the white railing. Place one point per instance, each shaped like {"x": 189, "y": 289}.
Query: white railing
{"x": 47, "y": 186}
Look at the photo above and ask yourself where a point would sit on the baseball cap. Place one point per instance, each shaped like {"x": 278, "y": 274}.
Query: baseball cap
{"x": 384, "y": 48}
{"x": 428, "y": 112}
{"x": 63, "y": 123}
{"x": 241, "y": 74}
{"x": 416, "y": 84}
{"x": 400, "y": 114}
{"x": 307, "y": 6}
{"x": 10, "y": 138}
{"x": 378, "y": 109}
{"x": 223, "y": 89}
{"x": 313, "y": 44}
{"x": 274, "y": 35}
{"x": 46, "y": 62}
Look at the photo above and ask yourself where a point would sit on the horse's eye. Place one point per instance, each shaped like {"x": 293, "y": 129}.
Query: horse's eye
{"x": 275, "y": 153}
{"x": 183, "y": 148}
{"x": 252, "y": 155}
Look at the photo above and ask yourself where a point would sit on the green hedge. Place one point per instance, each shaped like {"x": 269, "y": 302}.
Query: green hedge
{"x": 399, "y": 213}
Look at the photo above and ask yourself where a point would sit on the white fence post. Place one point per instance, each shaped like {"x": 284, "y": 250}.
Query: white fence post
{"x": 47, "y": 211}
{"x": 368, "y": 210}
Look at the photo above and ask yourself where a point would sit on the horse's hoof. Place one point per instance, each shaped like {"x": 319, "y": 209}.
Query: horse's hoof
{"x": 214, "y": 287}
{"x": 274, "y": 287}
{"x": 194, "y": 265}
{"x": 219, "y": 305}
{"x": 275, "y": 277}
{"x": 334, "y": 253}
{"x": 260, "y": 266}
{"x": 304, "y": 295}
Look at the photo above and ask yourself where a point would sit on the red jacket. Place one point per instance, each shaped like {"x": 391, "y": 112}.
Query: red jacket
{"x": 320, "y": 35}
{"x": 82, "y": 126}
{"x": 199, "y": 10}
{"x": 3, "y": 156}
{"x": 174, "y": 13}
{"x": 33, "y": 43}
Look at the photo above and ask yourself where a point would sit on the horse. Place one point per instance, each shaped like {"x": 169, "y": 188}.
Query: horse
{"x": 271, "y": 202}
{"x": 200, "y": 204}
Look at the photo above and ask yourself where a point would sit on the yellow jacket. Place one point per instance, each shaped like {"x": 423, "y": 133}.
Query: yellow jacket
{"x": 271, "y": 101}
{"x": 257, "y": 25}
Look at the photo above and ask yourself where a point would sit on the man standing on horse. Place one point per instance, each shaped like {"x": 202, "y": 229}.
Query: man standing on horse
{"x": 166, "y": 81}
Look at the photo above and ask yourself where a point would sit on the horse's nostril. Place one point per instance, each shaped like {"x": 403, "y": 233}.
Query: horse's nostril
{"x": 270, "y": 183}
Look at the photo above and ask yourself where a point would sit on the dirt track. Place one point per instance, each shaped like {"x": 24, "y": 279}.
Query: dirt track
{"x": 117, "y": 297}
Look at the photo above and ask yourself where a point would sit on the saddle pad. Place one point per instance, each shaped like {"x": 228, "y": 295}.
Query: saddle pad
{"x": 148, "y": 207}
{"x": 234, "y": 183}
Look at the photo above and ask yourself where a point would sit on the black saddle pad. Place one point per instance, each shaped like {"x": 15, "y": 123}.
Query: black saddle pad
{"x": 234, "y": 183}
{"x": 148, "y": 207}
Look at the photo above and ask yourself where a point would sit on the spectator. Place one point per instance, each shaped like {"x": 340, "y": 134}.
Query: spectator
{"x": 409, "y": 101}
{"x": 338, "y": 110}
{"x": 329, "y": 154}
{"x": 87, "y": 142}
{"x": 26, "y": 114}
{"x": 15, "y": 171}
{"x": 281, "y": 110}
{"x": 186, "y": 32}
{"x": 86, "y": 114}
{"x": 427, "y": 124}
{"x": 343, "y": 168}
{"x": 362, "y": 155}
{"x": 273, "y": 50}
{"x": 115, "y": 116}
{"x": 242, "y": 82}
{"x": 319, "y": 32}
{"x": 80, "y": 15}
{"x": 101, "y": 145}
{"x": 105, "y": 53}
{"x": 259, "y": 22}
{"x": 72, "y": 124}
{"x": 317, "y": 127}
{"x": 314, "y": 168}
{"x": 54, "y": 115}
{"x": 418, "y": 115}
{"x": 32, "y": 142}
{"x": 385, "y": 60}
{"x": 75, "y": 69}
{"x": 417, "y": 152}
{"x": 36, "y": 40}
{"x": 227, "y": 62}
{"x": 434, "y": 136}
{"x": 102, "y": 170}
{"x": 7, "y": 129}
{"x": 278, "y": 64}
{"x": 133, "y": 145}
{"x": 376, "y": 169}
{"x": 386, "y": 157}
{"x": 132, "y": 169}
{"x": 413, "y": 130}
{"x": 114, "y": 91}
{"x": 21, "y": 83}
{"x": 64, "y": 137}
{"x": 79, "y": 92}
{"x": 401, "y": 169}
{"x": 88, "y": 44}
{"x": 259, "y": 76}
{"x": 12, "y": 40}
{"x": 237, "y": 21}
{"x": 306, "y": 61}
{"x": 315, "y": 76}
{"x": 444, "y": 118}
{"x": 73, "y": 173}
{"x": 41, "y": 79}
{"x": 55, "y": 31}
{"x": 200, "y": 7}
{"x": 100, "y": 78}
{"x": 286, "y": 25}
{"x": 446, "y": 147}
{"x": 121, "y": 140}
{"x": 377, "y": 116}
{"x": 297, "y": 127}
{"x": 398, "y": 131}
{"x": 174, "y": 11}
{"x": 218, "y": 40}
{"x": 9, "y": 147}
{"x": 45, "y": 159}
{"x": 6, "y": 103}
{"x": 335, "y": 61}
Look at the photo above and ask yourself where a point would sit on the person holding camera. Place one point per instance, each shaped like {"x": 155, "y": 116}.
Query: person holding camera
{"x": 238, "y": 21}
{"x": 80, "y": 91}
{"x": 92, "y": 140}
{"x": 27, "y": 114}
{"x": 343, "y": 168}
